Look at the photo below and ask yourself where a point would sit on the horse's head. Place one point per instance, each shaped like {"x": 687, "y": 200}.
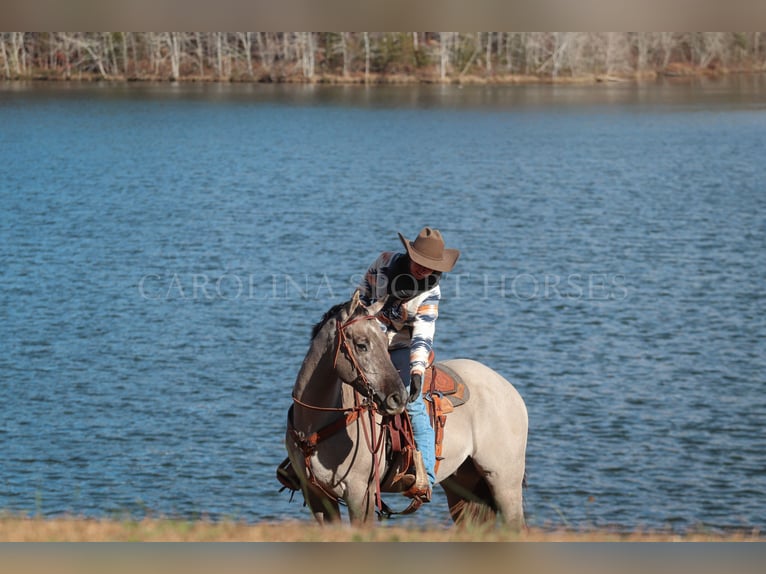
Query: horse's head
{"x": 361, "y": 356}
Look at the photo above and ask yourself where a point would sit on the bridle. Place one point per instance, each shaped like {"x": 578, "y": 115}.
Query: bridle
{"x": 360, "y": 380}
{"x": 308, "y": 443}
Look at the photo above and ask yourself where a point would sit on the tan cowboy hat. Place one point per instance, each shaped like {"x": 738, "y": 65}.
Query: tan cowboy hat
{"x": 428, "y": 250}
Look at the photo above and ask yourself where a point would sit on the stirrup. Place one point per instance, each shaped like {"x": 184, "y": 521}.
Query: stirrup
{"x": 404, "y": 482}
{"x": 287, "y": 476}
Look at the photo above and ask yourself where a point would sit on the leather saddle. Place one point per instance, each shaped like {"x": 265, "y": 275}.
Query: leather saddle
{"x": 443, "y": 383}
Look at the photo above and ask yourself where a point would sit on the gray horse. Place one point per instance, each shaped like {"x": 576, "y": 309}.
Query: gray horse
{"x": 336, "y": 443}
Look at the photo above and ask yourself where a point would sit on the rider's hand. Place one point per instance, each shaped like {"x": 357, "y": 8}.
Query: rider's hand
{"x": 416, "y": 382}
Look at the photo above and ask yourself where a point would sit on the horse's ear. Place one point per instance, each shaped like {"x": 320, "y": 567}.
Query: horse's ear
{"x": 376, "y": 307}
{"x": 354, "y": 303}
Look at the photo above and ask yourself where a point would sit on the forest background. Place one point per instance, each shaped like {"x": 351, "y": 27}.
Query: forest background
{"x": 377, "y": 57}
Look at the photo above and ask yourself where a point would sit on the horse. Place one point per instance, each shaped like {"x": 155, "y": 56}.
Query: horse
{"x": 335, "y": 439}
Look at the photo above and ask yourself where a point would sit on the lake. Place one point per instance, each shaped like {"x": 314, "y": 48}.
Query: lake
{"x": 165, "y": 250}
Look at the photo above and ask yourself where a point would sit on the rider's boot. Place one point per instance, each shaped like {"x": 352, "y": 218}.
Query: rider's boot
{"x": 421, "y": 487}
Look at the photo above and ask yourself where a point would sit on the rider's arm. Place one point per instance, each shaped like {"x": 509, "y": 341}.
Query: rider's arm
{"x": 423, "y": 328}
{"x": 372, "y": 286}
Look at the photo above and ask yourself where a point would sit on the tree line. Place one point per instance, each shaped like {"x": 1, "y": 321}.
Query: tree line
{"x": 373, "y": 56}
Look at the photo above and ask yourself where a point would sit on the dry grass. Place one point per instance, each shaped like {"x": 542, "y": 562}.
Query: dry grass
{"x": 21, "y": 529}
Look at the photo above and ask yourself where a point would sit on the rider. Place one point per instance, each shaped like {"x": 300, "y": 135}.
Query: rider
{"x": 411, "y": 281}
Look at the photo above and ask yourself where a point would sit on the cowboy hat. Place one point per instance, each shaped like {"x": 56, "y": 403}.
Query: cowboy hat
{"x": 428, "y": 250}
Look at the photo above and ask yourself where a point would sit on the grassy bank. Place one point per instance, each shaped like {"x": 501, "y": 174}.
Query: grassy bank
{"x": 21, "y": 529}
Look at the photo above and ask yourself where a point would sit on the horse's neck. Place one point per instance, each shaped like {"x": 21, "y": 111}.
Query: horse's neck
{"x": 319, "y": 386}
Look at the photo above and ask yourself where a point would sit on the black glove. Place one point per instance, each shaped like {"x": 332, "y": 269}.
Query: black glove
{"x": 416, "y": 382}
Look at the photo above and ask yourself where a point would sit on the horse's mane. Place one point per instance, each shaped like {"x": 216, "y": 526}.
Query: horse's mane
{"x": 326, "y": 317}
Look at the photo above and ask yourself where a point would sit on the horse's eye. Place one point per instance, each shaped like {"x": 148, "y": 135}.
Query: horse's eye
{"x": 361, "y": 347}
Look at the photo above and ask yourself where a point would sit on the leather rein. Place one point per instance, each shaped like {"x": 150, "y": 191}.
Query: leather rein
{"x": 309, "y": 443}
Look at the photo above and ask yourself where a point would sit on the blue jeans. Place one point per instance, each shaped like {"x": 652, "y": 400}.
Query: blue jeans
{"x": 421, "y": 424}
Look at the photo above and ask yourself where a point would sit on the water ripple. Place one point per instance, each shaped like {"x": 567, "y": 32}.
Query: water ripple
{"x": 612, "y": 258}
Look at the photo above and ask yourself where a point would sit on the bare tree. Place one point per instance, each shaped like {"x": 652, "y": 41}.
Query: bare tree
{"x": 476, "y": 51}
{"x": 344, "y": 52}
{"x": 666, "y": 47}
{"x": 509, "y": 60}
{"x": 560, "y": 46}
{"x": 488, "y": 57}
{"x": 64, "y": 53}
{"x": 111, "y": 54}
{"x": 152, "y": 45}
{"x": 91, "y": 53}
{"x": 124, "y": 52}
{"x": 642, "y": 49}
{"x": 15, "y": 61}
{"x": 222, "y": 55}
{"x": 4, "y": 55}
{"x": 133, "y": 50}
{"x": 499, "y": 48}
{"x": 286, "y": 46}
{"x": 265, "y": 51}
{"x": 222, "y": 51}
{"x": 306, "y": 45}
{"x": 200, "y": 53}
{"x": 217, "y": 42}
{"x": 707, "y": 47}
{"x": 445, "y": 38}
{"x": 534, "y": 43}
{"x": 173, "y": 41}
{"x": 246, "y": 41}
{"x": 366, "y": 57}
{"x": 20, "y": 51}
{"x": 578, "y": 57}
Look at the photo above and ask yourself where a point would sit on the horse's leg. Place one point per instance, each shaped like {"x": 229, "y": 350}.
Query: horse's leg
{"x": 324, "y": 509}
{"x": 469, "y": 496}
{"x": 361, "y": 504}
{"x": 508, "y": 497}
{"x": 457, "y": 499}
{"x": 503, "y": 484}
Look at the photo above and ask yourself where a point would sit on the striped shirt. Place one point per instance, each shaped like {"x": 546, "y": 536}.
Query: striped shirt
{"x": 410, "y": 322}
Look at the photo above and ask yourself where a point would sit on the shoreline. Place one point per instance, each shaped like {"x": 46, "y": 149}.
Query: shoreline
{"x": 672, "y": 73}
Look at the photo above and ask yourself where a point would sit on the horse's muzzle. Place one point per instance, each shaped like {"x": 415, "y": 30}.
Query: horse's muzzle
{"x": 395, "y": 402}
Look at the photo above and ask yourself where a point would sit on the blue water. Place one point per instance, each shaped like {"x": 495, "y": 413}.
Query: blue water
{"x": 165, "y": 250}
